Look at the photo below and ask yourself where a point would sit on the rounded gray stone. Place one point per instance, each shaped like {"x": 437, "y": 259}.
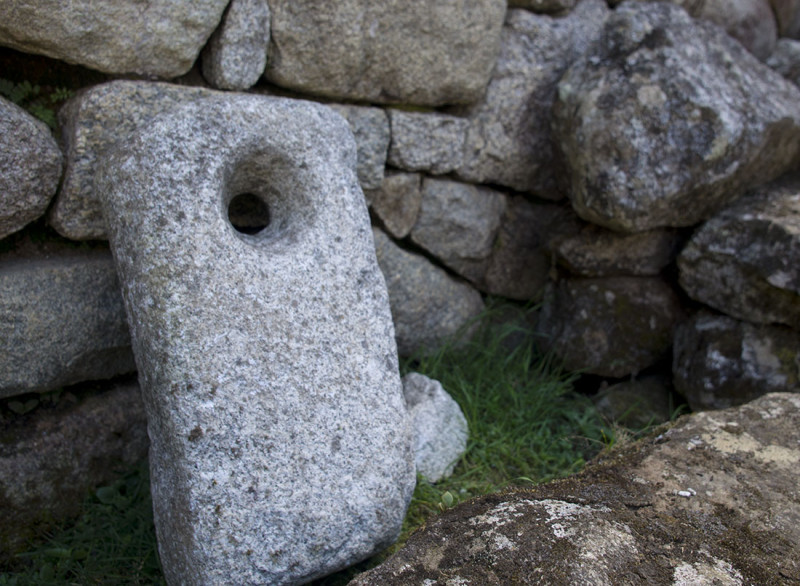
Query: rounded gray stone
{"x": 236, "y": 54}
{"x": 63, "y": 322}
{"x": 414, "y": 52}
{"x": 438, "y": 425}
{"x": 397, "y": 202}
{"x": 426, "y": 142}
{"x": 281, "y": 449}
{"x": 668, "y": 119}
{"x": 745, "y": 261}
{"x": 31, "y": 164}
{"x": 161, "y": 39}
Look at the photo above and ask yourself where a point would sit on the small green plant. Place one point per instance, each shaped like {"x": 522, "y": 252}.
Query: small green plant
{"x": 34, "y": 99}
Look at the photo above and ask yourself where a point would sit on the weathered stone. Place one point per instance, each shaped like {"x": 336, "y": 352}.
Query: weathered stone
{"x": 786, "y": 60}
{"x": 31, "y": 164}
{"x": 458, "y": 223}
{"x": 438, "y": 425}
{"x": 596, "y": 252}
{"x": 746, "y": 260}
{"x": 751, "y": 22}
{"x": 92, "y": 123}
{"x": 636, "y": 404}
{"x": 613, "y": 327}
{"x": 426, "y": 142}
{"x": 159, "y": 39}
{"x": 370, "y": 127}
{"x": 509, "y": 138}
{"x": 429, "y": 307}
{"x": 63, "y": 322}
{"x": 397, "y": 202}
{"x": 713, "y": 500}
{"x": 414, "y": 52}
{"x": 787, "y": 15}
{"x": 281, "y": 449}
{"x": 236, "y": 54}
{"x": 545, "y": 6}
{"x": 666, "y": 120}
{"x": 520, "y": 263}
{"x": 720, "y": 362}
{"x": 50, "y": 458}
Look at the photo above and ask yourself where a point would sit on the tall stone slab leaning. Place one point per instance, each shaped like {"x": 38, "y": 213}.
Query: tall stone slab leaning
{"x": 281, "y": 448}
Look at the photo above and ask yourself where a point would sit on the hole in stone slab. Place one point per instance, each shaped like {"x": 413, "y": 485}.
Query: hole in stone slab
{"x": 248, "y": 213}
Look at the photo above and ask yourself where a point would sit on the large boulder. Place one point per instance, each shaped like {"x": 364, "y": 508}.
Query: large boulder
{"x": 51, "y": 457}
{"x": 429, "y": 307}
{"x": 667, "y": 119}
{"x": 63, "y": 322}
{"x": 31, "y": 164}
{"x": 712, "y": 500}
{"x": 96, "y": 120}
{"x": 236, "y": 54}
{"x": 161, "y": 39}
{"x": 413, "y": 52}
{"x": 509, "y": 139}
{"x": 746, "y": 260}
{"x": 613, "y": 326}
{"x": 720, "y": 362}
{"x": 280, "y": 444}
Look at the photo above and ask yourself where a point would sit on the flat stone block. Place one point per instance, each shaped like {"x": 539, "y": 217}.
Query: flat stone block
{"x": 281, "y": 446}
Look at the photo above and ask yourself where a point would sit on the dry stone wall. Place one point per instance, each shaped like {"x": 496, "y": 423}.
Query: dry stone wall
{"x": 627, "y": 165}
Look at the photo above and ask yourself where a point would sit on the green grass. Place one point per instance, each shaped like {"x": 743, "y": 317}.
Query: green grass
{"x": 526, "y": 426}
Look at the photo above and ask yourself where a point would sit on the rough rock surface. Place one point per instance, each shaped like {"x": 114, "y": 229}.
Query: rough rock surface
{"x": 596, "y": 252}
{"x": 509, "y": 139}
{"x": 397, "y": 202}
{"x": 667, "y": 119}
{"x": 458, "y": 224}
{"x": 92, "y": 123}
{"x": 370, "y": 127}
{"x": 520, "y": 262}
{"x": 426, "y": 142}
{"x": 713, "y": 500}
{"x": 51, "y": 457}
{"x": 786, "y": 59}
{"x": 159, "y": 39}
{"x": 636, "y": 403}
{"x": 613, "y": 326}
{"x": 414, "y": 52}
{"x": 236, "y": 54}
{"x": 429, "y": 306}
{"x": 280, "y": 444}
{"x": 31, "y": 164}
{"x": 63, "y": 322}
{"x": 720, "y": 362}
{"x": 746, "y": 260}
{"x": 439, "y": 427}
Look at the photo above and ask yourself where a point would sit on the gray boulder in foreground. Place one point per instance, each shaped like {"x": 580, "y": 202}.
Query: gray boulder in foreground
{"x": 438, "y": 425}
{"x": 30, "y": 167}
{"x": 381, "y": 51}
{"x": 711, "y": 500}
{"x": 280, "y": 444}
{"x": 745, "y": 261}
{"x": 159, "y": 39}
{"x": 720, "y": 362}
{"x": 667, "y": 120}
{"x": 63, "y": 322}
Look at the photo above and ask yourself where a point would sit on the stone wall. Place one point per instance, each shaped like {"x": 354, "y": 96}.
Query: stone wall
{"x": 627, "y": 166}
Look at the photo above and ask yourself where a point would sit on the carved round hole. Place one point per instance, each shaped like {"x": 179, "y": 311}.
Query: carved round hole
{"x": 248, "y": 213}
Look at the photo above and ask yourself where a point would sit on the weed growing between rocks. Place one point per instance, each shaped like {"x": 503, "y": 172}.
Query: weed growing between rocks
{"x": 527, "y": 425}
